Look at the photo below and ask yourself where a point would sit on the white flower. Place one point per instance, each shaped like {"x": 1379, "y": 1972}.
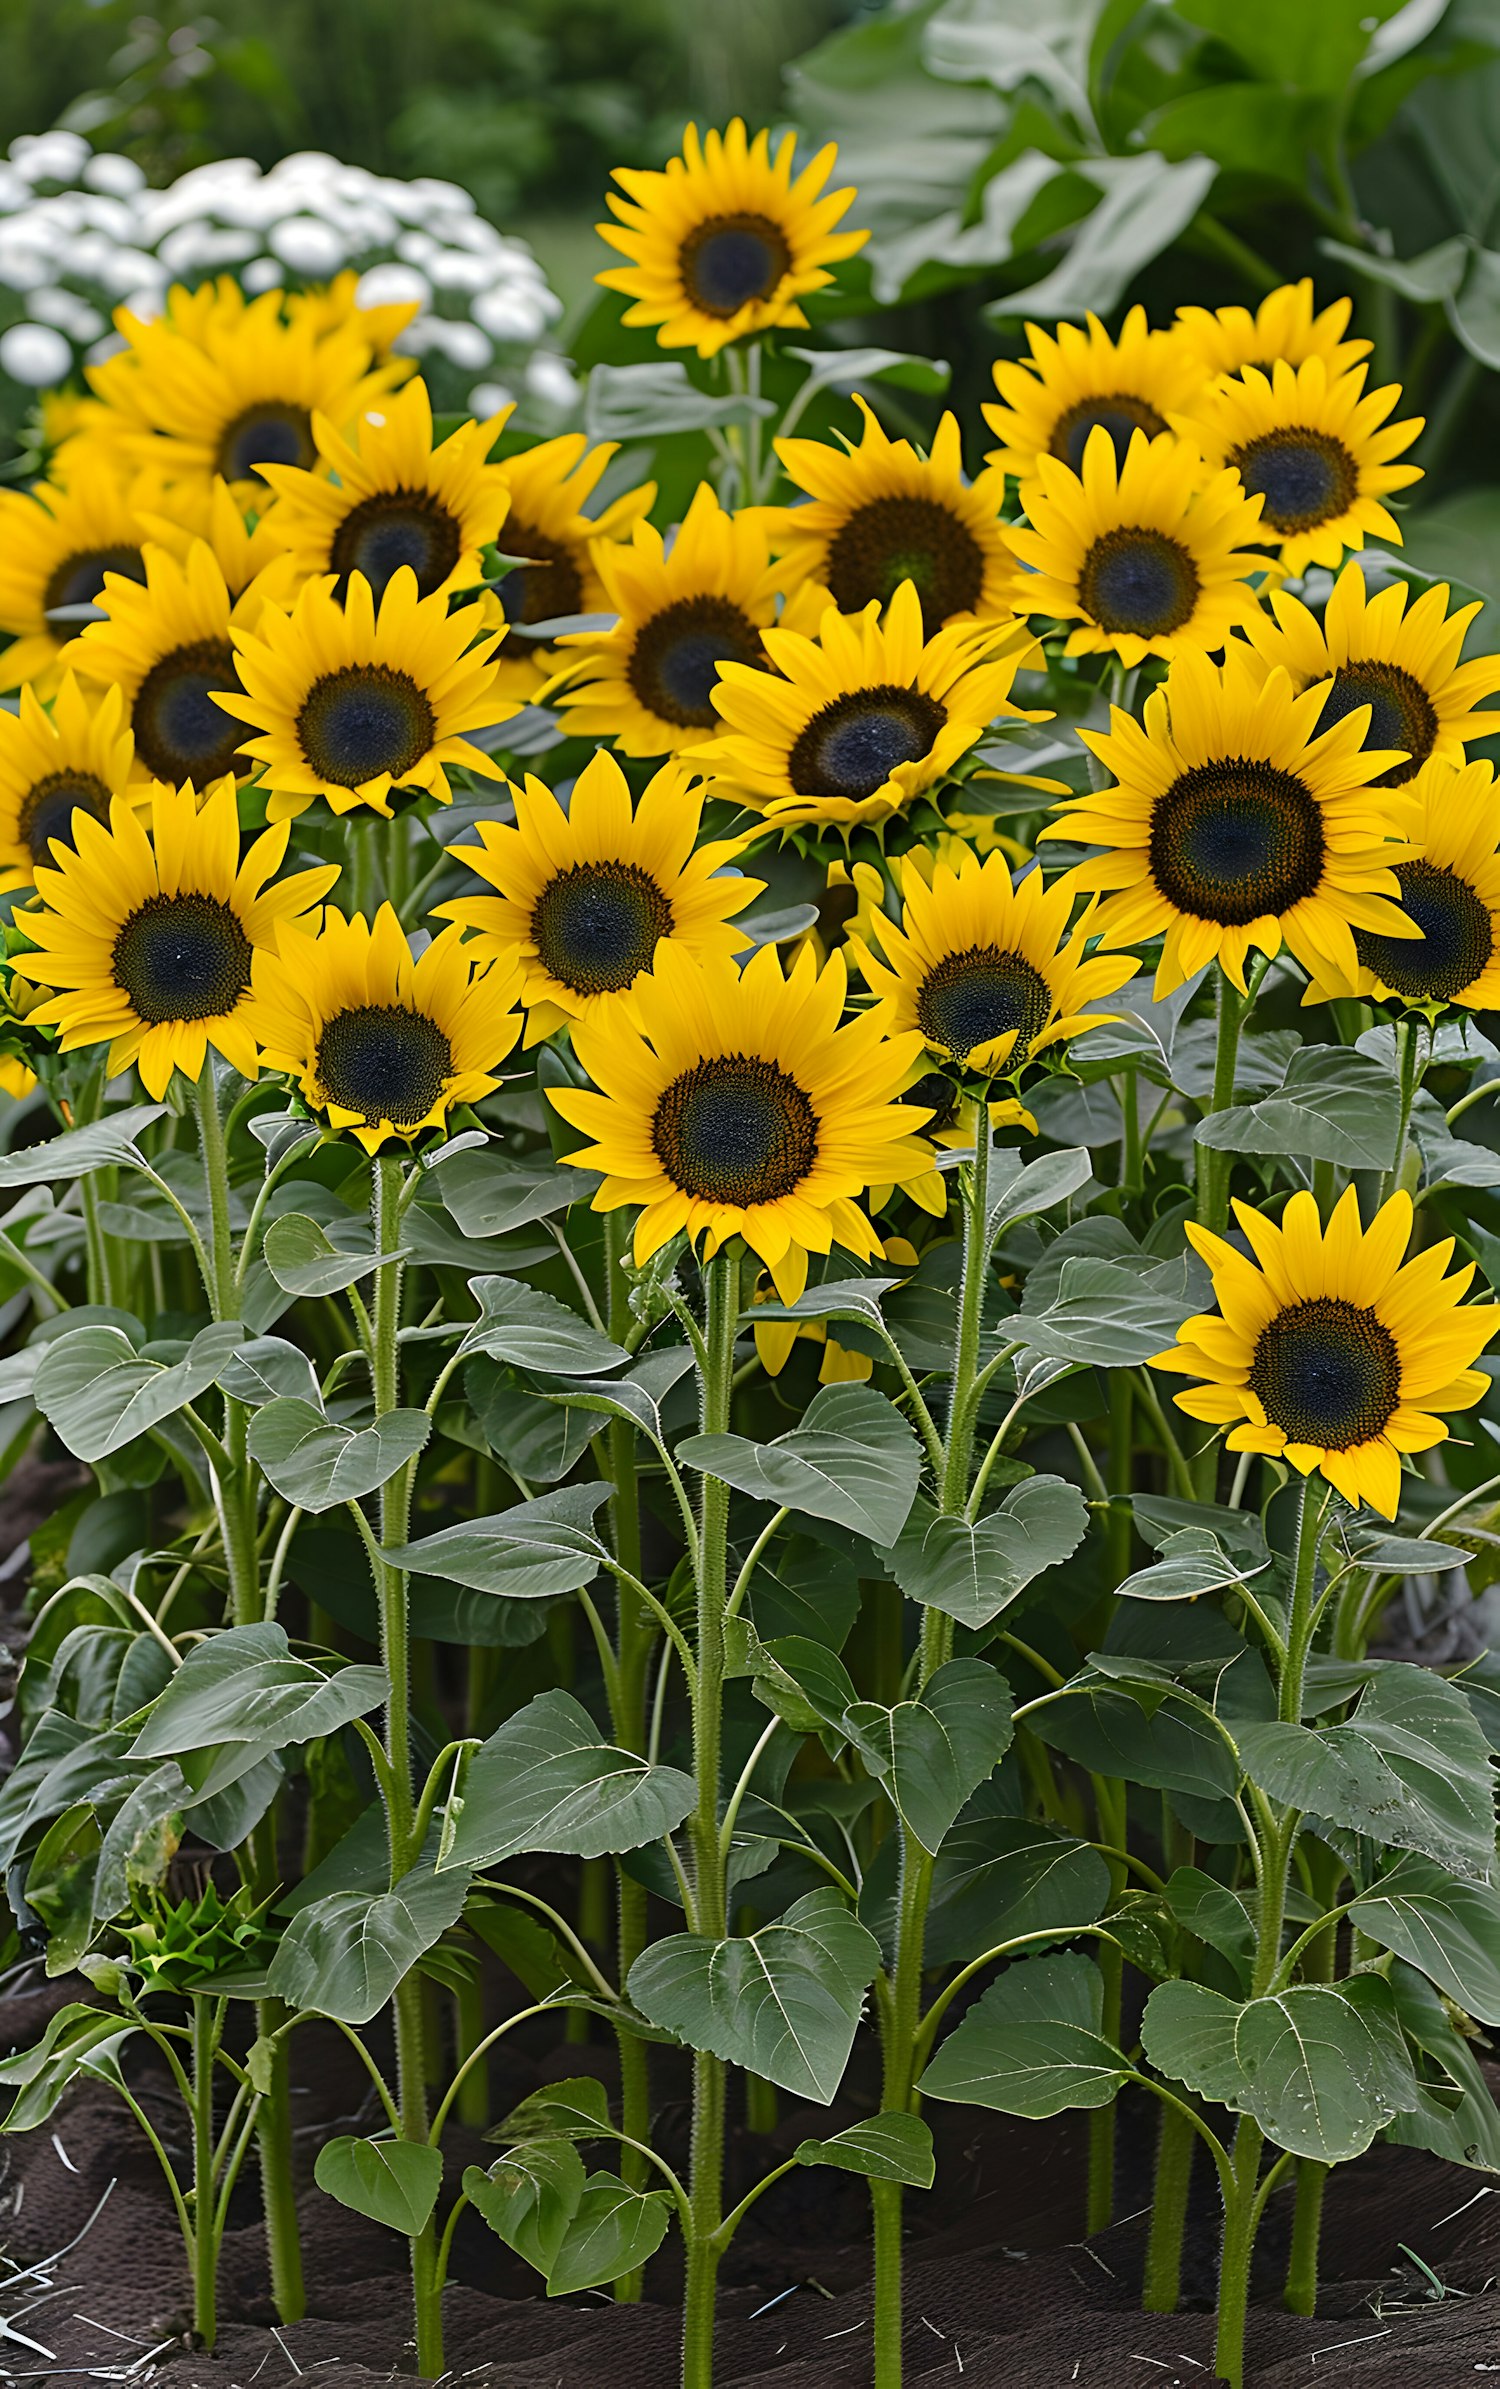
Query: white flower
{"x": 49, "y": 157}
{"x": 510, "y": 314}
{"x": 68, "y": 312}
{"x": 488, "y": 398}
{"x": 36, "y": 355}
{"x": 550, "y": 379}
{"x": 463, "y": 344}
{"x": 107, "y": 171}
{"x": 393, "y": 286}
{"x": 308, "y": 246}
{"x": 262, "y": 273}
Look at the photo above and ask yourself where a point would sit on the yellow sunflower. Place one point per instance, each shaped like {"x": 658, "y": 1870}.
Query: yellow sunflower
{"x": 173, "y": 514}
{"x": 734, "y": 1104}
{"x": 549, "y": 487}
{"x": 852, "y": 725}
{"x": 1450, "y": 889}
{"x": 1283, "y": 329}
{"x": 56, "y": 544}
{"x": 382, "y": 1042}
{"x": 727, "y": 240}
{"x": 1403, "y": 665}
{"x": 1325, "y": 1351}
{"x": 335, "y": 307}
{"x": 1143, "y": 560}
{"x": 350, "y": 703}
{"x": 1077, "y": 381}
{"x": 1233, "y": 821}
{"x": 585, "y": 899}
{"x": 147, "y": 929}
{"x": 53, "y": 766}
{"x": 17, "y": 1078}
{"x": 882, "y": 513}
{"x": 1313, "y": 449}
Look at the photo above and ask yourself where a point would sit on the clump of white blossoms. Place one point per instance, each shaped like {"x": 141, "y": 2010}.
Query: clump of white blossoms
{"x": 81, "y": 234}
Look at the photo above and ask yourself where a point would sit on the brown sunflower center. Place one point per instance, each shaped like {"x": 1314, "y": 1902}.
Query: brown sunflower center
{"x": 968, "y": 1000}
{"x": 598, "y": 925}
{"x": 1401, "y": 712}
{"x": 1234, "y": 840}
{"x": 677, "y": 653}
{"x": 79, "y": 579}
{"x": 48, "y": 807}
{"x": 727, "y": 262}
{"x": 735, "y": 1130}
{"x": 1306, "y": 477}
{"x": 268, "y": 433}
{"x": 851, "y": 747}
{"x": 547, "y": 587}
{"x": 1139, "y": 581}
{"x": 182, "y": 958}
{"x": 1118, "y": 412}
{"x": 364, "y": 720}
{"x": 180, "y": 733}
{"x": 382, "y": 1062}
{"x": 396, "y": 527}
{"x": 1457, "y": 940}
{"x": 1328, "y": 1373}
{"x": 892, "y": 540}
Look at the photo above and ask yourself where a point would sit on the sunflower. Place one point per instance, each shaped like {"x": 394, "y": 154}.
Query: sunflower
{"x": 1233, "y": 822}
{"x": 733, "y": 1103}
{"x": 1282, "y": 330}
{"x": 380, "y": 1041}
{"x": 147, "y": 929}
{"x": 1308, "y": 444}
{"x": 1450, "y": 889}
{"x": 882, "y": 514}
{"x": 1403, "y": 665}
{"x": 394, "y": 499}
{"x": 351, "y": 703}
{"x": 586, "y": 898}
{"x": 17, "y": 1078}
{"x": 335, "y": 307}
{"x": 548, "y": 487}
{"x": 1144, "y": 561}
{"x": 727, "y": 240}
{"x": 852, "y": 725}
{"x": 56, "y": 545}
{"x": 173, "y": 514}
{"x": 1081, "y": 381}
{"x": 1330, "y": 1354}
{"x": 55, "y": 766}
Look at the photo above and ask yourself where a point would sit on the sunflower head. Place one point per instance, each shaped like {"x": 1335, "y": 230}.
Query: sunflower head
{"x": 1283, "y": 329}
{"x": 1326, "y": 1350}
{"x": 54, "y": 766}
{"x": 549, "y": 489}
{"x": 1078, "y": 381}
{"x": 58, "y": 543}
{"x": 1449, "y": 894}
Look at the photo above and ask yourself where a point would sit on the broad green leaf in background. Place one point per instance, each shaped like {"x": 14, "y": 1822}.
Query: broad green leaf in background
{"x": 1033, "y": 2044}
{"x": 1144, "y": 203}
{"x": 884, "y": 2148}
{"x": 535, "y": 1331}
{"x": 1290, "y": 45}
{"x": 644, "y": 402}
{"x": 974, "y": 1571}
{"x": 1335, "y": 1105}
{"x": 304, "y": 1259}
{"x": 244, "y": 1685}
{"x": 1468, "y": 2134}
{"x": 1150, "y": 1739}
{"x": 104, "y": 1144}
{"x": 77, "y": 2039}
{"x": 1019, "y": 1189}
{"x": 549, "y": 1780}
{"x": 853, "y": 1460}
{"x": 1193, "y": 1562}
{"x": 537, "y": 1549}
{"x": 1449, "y": 1929}
{"x": 344, "y": 1955}
{"x": 267, "y": 1368}
{"x": 395, "y": 2182}
{"x": 100, "y": 1393}
{"x": 1458, "y": 541}
{"x": 317, "y": 1463}
{"x": 998, "y": 1877}
{"x": 1108, "y": 1314}
{"x": 490, "y": 1195}
{"x": 577, "y": 2109}
{"x": 931, "y": 1753}
{"x": 849, "y": 369}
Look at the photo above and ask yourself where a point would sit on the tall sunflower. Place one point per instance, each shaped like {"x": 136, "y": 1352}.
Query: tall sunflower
{"x": 1147, "y": 559}
{"x": 381, "y": 1042}
{"x": 57, "y": 542}
{"x": 1403, "y": 664}
{"x": 350, "y": 703}
{"x": 852, "y": 725}
{"x": 734, "y": 1104}
{"x": 882, "y": 513}
{"x": 585, "y": 899}
{"x": 1314, "y": 449}
{"x": 1078, "y": 381}
{"x": 549, "y": 488}
{"x": 1325, "y": 1351}
{"x": 54, "y": 766}
{"x": 727, "y": 240}
{"x": 147, "y": 930}
{"x": 1282, "y": 329}
{"x": 1451, "y": 890}
{"x": 1233, "y": 822}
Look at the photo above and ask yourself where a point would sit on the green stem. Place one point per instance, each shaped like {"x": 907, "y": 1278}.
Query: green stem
{"x": 1212, "y": 1167}
{"x": 1410, "y": 1072}
{"x": 1174, "y": 2173}
{"x": 207, "y": 2017}
{"x": 1240, "y": 2217}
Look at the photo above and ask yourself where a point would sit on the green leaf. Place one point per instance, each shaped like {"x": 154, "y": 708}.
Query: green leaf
{"x": 1150, "y": 1739}
{"x": 243, "y": 1685}
{"x": 490, "y": 1195}
{"x": 1458, "y": 541}
{"x": 344, "y": 1955}
{"x": 1144, "y": 203}
{"x": 612, "y": 2230}
{"x": 103, "y": 1145}
{"x": 1292, "y": 46}
{"x": 646, "y": 402}
{"x": 1019, "y": 1189}
{"x": 537, "y": 1549}
{"x": 78, "y": 2040}
{"x": 1321, "y": 2069}
{"x": 853, "y": 1460}
{"x": 1108, "y": 1314}
{"x": 638, "y": 1396}
{"x": 548, "y": 1780}
{"x": 535, "y": 1331}
{"x": 530, "y": 2197}
{"x": 60, "y": 1885}
{"x": 140, "y": 1840}
{"x": 1193, "y": 1562}
{"x": 850, "y": 369}
{"x": 891, "y": 2147}
{"x": 1214, "y": 1914}
{"x": 100, "y": 1393}
{"x": 317, "y": 1463}
{"x": 973, "y": 1572}
{"x": 998, "y": 1877}
{"x": 1335, "y": 1104}
{"x": 304, "y": 1259}
{"x": 783, "y": 2003}
{"x": 577, "y": 2109}
{"x": 932, "y": 1753}
{"x": 1448, "y": 1929}
{"x": 267, "y": 1367}
{"x": 395, "y": 2182}
{"x": 1033, "y": 2044}
{"x": 1468, "y": 2134}
{"x": 803, "y": 1681}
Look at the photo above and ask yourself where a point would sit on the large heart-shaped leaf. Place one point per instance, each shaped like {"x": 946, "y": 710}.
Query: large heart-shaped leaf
{"x": 549, "y": 1780}
{"x": 317, "y": 1462}
{"x": 266, "y": 1368}
{"x": 244, "y": 1685}
{"x": 304, "y": 1259}
{"x": 1019, "y": 1189}
{"x": 489, "y": 1194}
{"x": 1321, "y": 2068}
{"x": 395, "y": 2182}
{"x": 612, "y": 2230}
{"x": 344, "y": 1955}
{"x": 1449, "y": 1929}
{"x": 79, "y": 1151}
{"x": 933, "y": 1752}
{"x": 853, "y": 1460}
{"x": 100, "y": 1393}
{"x": 535, "y": 1331}
{"x": 974, "y": 1571}
{"x": 998, "y": 1877}
{"x": 1335, "y": 1104}
{"x": 1033, "y": 2044}
{"x": 529, "y": 2197}
{"x": 537, "y": 1549}
{"x": 1109, "y": 1314}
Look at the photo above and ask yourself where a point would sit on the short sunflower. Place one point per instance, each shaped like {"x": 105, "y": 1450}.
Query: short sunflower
{"x": 1326, "y": 1351}
{"x": 1450, "y": 889}
{"x": 852, "y": 725}
{"x": 1234, "y": 821}
{"x": 53, "y": 766}
{"x": 147, "y": 929}
{"x": 1144, "y": 561}
{"x": 549, "y": 488}
{"x": 1079, "y": 380}
{"x": 1402, "y": 663}
{"x": 381, "y": 1042}
{"x": 1314, "y": 449}
{"x": 350, "y": 703}
{"x": 882, "y": 513}
{"x": 728, "y": 239}
{"x": 734, "y": 1104}
{"x": 336, "y": 307}
{"x": 1283, "y": 329}
{"x": 585, "y": 899}
{"x": 57, "y": 542}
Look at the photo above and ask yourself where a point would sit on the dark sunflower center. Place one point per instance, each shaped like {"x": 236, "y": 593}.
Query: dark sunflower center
{"x": 938, "y": 1095}
{"x": 182, "y": 958}
{"x": 180, "y": 733}
{"x": 384, "y": 1063}
{"x": 1233, "y": 840}
{"x": 969, "y": 999}
{"x": 1118, "y": 413}
{"x": 1401, "y": 713}
{"x": 735, "y": 1130}
{"x": 852, "y": 746}
{"x": 677, "y": 655}
{"x": 727, "y": 261}
{"x": 399, "y": 526}
{"x": 266, "y": 434}
{"x": 906, "y": 539}
{"x": 79, "y": 579}
{"x": 1140, "y": 581}
{"x": 48, "y": 807}
{"x": 1306, "y": 477}
{"x": 362, "y": 721}
{"x": 1457, "y": 940}
{"x": 597, "y": 926}
{"x": 1328, "y": 1373}
{"x": 545, "y": 589}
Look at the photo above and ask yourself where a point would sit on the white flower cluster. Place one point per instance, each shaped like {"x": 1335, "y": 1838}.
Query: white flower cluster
{"x": 82, "y": 234}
